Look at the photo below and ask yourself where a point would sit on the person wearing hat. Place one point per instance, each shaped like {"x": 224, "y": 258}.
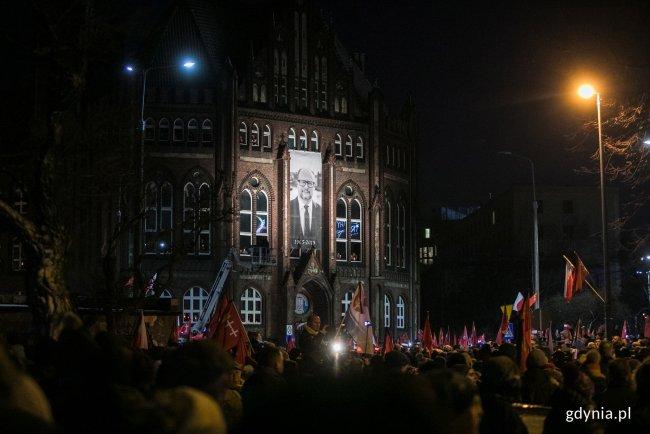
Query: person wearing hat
{"x": 537, "y": 385}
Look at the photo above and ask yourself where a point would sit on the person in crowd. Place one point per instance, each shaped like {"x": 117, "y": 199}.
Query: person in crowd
{"x": 592, "y": 367}
{"x": 457, "y": 398}
{"x": 606, "y": 350}
{"x": 310, "y": 338}
{"x": 265, "y": 381}
{"x": 500, "y": 387}
{"x": 537, "y": 385}
{"x": 576, "y": 392}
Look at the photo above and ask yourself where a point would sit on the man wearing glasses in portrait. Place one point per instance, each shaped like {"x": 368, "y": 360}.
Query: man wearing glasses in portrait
{"x": 305, "y": 212}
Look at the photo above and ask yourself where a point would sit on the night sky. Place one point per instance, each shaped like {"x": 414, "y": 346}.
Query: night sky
{"x": 498, "y": 77}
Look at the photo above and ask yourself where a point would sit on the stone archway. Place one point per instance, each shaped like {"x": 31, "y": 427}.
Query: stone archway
{"x": 320, "y": 301}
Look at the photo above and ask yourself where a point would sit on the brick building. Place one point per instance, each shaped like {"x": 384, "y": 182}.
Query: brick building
{"x": 222, "y": 144}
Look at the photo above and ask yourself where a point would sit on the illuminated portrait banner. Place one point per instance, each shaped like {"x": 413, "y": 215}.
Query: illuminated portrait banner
{"x": 305, "y": 200}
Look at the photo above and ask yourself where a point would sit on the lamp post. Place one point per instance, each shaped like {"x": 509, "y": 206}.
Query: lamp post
{"x": 586, "y": 91}
{"x": 535, "y": 236}
{"x": 187, "y": 64}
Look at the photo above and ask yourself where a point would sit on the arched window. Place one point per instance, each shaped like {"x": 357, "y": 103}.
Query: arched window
{"x": 163, "y": 130}
{"x": 149, "y": 130}
{"x": 398, "y": 243}
{"x": 17, "y": 258}
{"x": 388, "y": 234}
{"x": 344, "y": 105}
{"x": 263, "y": 93}
{"x": 206, "y": 132}
{"x": 314, "y": 141}
{"x": 193, "y": 301}
{"x": 348, "y": 147}
{"x": 166, "y": 218}
{"x": 179, "y": 131}
{"x": 355, "y": 231}
{"x": 345, "y": 302}
{"x": 189, "y": 217}
{"x": 243, "y": 135}
{"x": 255, "y": 136}
{"x": 338, "y": 146}
{"x": 387, "y": 310}
{"x": 245, "y": 222}
{"x": 337, "y": 105}
{"x": 359, "y": 148}
{"x": 266, "y": 138}
{"x": 255, "y": 94}
{"x": 291, "y": 139}
{"x": 401, "y": 312}
{"x": 166, "y": 293}
{"x": 251, "y": 307}
{"x": 303, "y": 140}
{"x": 341, "y": 230}
{"x": 261, "y": 219}
{"x": 197, "y": 223}
{"x": 192, "y": 131}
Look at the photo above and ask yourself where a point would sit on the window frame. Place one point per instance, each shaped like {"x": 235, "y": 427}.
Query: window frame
{"x": 388, "y": 307}
{"x": 400, "y": 315}
{"x": 250, "y": 297}
{"x": 191, "y": 296}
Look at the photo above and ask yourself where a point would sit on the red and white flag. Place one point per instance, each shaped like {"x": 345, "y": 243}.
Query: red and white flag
{"x": 519, "y": 302}
{"x": 574, "y": 278}
{"x": 358, "y": 323}
{"x": 464, "y": 341}
{"x": 230, "y": 331}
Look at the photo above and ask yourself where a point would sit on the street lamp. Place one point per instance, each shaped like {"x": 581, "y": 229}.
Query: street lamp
{"x": 187, "y": 64}
{"x": 535, "y": 235}
{"x": 586, "y": 91}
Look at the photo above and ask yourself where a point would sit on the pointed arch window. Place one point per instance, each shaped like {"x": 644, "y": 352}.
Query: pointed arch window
{"x": 193, "y": 131}
{"x": 401, "y": 312}
{"x": 251, "y": 307}
{"x": 206, "y": 132}
{"x": 356, "y": 231}
{"x": 314, "y": 141}
{"x": 245, "y": 222}
{"x": 166, "y": 218}
{"x": 262, "y": 219}
{"x": 291, "y": 142}
{"x": 158, "y": 218}
{"x": 303, "y": 140}
{"x": 388, "y": 307}
{"x": 243, "y": 135}
{"x": 149, "y": 130}
{"x": 266, "y": 138}
{"x": 197, "y": 225}
{"x": 163, "y": 130}
{"x": 348, "y": 147}
{"x": 338, "y": 146}
{"x": 179, "y": 131}
{"x": 388, "y": 217}
{"x": 359, "y": 148}
{"x": 255, "y": 136}
{"x": 341, "y": 230}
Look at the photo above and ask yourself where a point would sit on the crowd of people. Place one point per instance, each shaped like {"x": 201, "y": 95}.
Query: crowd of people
{"x": 88, "y": 381}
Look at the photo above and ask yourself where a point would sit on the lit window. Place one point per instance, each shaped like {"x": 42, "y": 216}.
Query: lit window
{"x": 251, "y": 307}
{"x": 193, "y": 301}
{"x": 355, "y": 231}
{"x": 243, "y": 135}
{"x": 179, "y": 131}
{"x": 387, "y": 310}
{"x": 338, "y": 146}
{"x": 345, "y": 302}
{"x": 348, "y": 147}
{"x": 341, "y": 230}
{"x": 401, "y": 308}
{"x": 303, "y": 140}
{"x": 261, "y": 219}
{"x": 359, "y": 148}
{"x": 266, "y": 138}
{"x": 427, "y": 233}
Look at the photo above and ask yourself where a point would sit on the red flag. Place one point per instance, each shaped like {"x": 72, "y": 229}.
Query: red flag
{"x": 388, "y": 342}
{"x": 217, "y": 316}
{"x": 523, "y": 337}
{"x": 242, "y": 350}
{"x": 624, "y": 330}
{"x": 230, "y": 329}
{"x": 427, "y": 337}
{"x": 503, "y": 327}
{"x": 464, "y": 341}
{"x": 140, "y": 338}
{"x": 441, "y": 338}
{"x": 580, "y": 276}
{"x": 569, "y": 280}
{"x": 473, "y": 339}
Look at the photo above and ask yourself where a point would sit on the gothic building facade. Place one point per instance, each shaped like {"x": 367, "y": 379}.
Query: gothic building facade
{"x": 275, "y": 150}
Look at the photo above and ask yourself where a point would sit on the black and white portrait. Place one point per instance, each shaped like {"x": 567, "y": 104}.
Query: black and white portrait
{"x": 305, "y": 206}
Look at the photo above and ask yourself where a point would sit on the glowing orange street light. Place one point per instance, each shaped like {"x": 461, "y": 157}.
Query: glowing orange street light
{"x": 586, "y": 91}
